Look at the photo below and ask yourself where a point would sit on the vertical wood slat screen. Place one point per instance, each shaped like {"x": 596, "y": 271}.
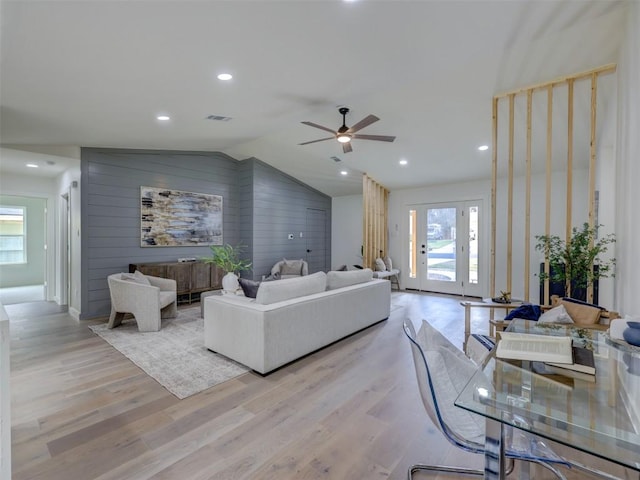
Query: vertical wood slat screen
{"x": 374, "y": 224}
{"x": 568, "y": 82}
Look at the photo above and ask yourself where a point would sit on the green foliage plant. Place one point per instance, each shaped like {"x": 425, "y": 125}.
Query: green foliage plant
{"x": 228, "y": 258}
{"x": 572, "y": 262}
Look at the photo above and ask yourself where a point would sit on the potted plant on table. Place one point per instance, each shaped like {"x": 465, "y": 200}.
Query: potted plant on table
{"x": 578, "y": 262}
{"x": 228, "y": 258}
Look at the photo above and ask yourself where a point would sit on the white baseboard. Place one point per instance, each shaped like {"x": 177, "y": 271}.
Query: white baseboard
{"x": 75, "y": 314}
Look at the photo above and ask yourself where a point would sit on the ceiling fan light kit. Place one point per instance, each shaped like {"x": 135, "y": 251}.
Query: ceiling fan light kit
{"x": 345, "y": 134}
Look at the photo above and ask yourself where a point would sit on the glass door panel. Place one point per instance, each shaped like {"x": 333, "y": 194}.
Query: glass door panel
{"x": 444, "y": 248}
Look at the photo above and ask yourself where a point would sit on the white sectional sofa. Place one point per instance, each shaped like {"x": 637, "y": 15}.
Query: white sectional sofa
{"x": 293, "y": 317}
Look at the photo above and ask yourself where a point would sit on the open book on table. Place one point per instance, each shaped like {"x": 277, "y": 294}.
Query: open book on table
{"x": 528, "y": 346}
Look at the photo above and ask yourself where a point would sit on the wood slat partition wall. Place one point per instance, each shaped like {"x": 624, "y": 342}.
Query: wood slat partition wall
{"x": 567, "y": 81}
{"x": 374, "y": 224}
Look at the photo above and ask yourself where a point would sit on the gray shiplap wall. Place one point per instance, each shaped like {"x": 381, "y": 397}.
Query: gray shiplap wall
{"x": 261, "y": 206}
{"x": 280, "y": 204}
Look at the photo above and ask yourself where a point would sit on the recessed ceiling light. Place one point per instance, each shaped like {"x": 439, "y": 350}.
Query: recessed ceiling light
{"x": 482, "y": 148}
{"x": 163, "y": 118}
{"x": 225, "y": 76}
{"x": 344, "y": 172}
{"x": 403, "y": 162}
{"x": 32, "y": 165}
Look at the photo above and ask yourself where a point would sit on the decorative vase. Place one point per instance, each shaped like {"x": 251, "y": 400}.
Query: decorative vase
{"x": 230, "y": 283}
{"x": 631, "y": 334}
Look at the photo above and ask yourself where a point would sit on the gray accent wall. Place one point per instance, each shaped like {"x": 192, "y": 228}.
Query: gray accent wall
{"x": 261, "y": 206}
{"x": 280, "y": 204}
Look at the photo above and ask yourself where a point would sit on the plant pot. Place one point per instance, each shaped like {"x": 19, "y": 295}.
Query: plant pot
{"x": 230, "y": 283}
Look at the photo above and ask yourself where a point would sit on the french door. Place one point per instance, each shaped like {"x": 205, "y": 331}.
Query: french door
{"x": 443, "y": 248}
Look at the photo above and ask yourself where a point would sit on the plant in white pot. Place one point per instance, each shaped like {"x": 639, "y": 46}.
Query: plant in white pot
{"x": 228, "y": 258}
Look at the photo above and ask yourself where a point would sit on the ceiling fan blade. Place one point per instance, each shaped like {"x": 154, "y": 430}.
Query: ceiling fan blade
{"x": 311, "y": 124}
{"x": 381, "y": 138}
{"x": 319, "y": 140}
{"x": 346, "y": 147}
{"x": 366, "y": 121}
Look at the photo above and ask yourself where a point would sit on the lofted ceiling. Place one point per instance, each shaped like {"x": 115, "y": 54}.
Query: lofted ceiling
{"x": 97, "y": 73}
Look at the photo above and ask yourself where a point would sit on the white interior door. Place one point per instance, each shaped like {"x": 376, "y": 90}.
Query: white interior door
{"x": 443, "y": 248}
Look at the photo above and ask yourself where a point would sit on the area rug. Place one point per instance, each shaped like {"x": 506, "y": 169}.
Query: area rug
{"x": 175, "y": 356}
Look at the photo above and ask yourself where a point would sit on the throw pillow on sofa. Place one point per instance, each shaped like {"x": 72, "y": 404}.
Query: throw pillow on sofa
{"x": 526, "y": 311}
{"x": 380, "y": 266}
{"x": 581, "y": 313}
{"x": 388, "y": 263}
{"x": 555, "y": 315}
{"x": 249, "y": 287}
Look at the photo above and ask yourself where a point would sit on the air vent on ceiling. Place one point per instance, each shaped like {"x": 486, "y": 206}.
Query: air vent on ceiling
{"x": 335, "y": 159}
{"x": 218, "y": 118}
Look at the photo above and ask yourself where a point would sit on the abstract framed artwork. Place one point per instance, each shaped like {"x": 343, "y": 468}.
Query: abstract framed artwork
{"x": 173, "y": 218}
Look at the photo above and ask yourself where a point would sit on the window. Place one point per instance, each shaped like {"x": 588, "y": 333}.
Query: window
{"x": 12, "y": 235}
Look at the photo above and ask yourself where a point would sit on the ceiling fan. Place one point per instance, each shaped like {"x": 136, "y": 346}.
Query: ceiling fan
{"x": 345, "y": 134}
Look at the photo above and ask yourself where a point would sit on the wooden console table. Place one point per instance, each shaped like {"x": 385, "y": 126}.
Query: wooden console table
{"x": 192, "y": 278}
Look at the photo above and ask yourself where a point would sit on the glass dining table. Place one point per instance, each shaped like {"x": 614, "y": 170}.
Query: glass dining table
{"x": 596, "y": 414}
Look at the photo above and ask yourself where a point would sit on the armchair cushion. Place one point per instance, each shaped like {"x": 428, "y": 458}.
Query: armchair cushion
{"x": 137, "y": 277}
{"x": 291, "y": 267}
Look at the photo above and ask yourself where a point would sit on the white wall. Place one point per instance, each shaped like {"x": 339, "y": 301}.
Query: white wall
{"x": 628, "y": 171}
{"x": 400, "y": 200}
{"x": 346, "y": 231}
{"x": 5, "y": 397}
{"x": 628, "y": 176}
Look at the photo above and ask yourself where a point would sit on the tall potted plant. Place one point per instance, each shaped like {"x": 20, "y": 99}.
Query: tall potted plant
{"x": 578, "y": 262}
{"x": 228, "y": 258}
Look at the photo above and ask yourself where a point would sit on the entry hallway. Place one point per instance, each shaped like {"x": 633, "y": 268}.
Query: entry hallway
{"x": 81, "y": 410}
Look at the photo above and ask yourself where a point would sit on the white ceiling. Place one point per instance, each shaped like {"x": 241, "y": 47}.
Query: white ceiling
{"x": 96, "y": 73}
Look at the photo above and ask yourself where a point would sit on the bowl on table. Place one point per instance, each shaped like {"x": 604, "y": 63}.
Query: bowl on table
{"x": 631, "y": 334}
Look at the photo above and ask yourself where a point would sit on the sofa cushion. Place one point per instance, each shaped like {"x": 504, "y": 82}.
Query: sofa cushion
{"x": 272, "y": 292}
{"x": 580, "y": 312}
{"x": 339, "y": 279}
{"x": 249, "y": 287}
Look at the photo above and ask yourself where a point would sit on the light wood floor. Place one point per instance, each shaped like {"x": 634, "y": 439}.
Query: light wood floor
{"x": 81, "y": 410}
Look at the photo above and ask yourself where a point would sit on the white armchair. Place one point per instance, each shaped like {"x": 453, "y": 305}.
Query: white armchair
{"x": 147, "y": 298}
{"x": 289, "y": 269}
